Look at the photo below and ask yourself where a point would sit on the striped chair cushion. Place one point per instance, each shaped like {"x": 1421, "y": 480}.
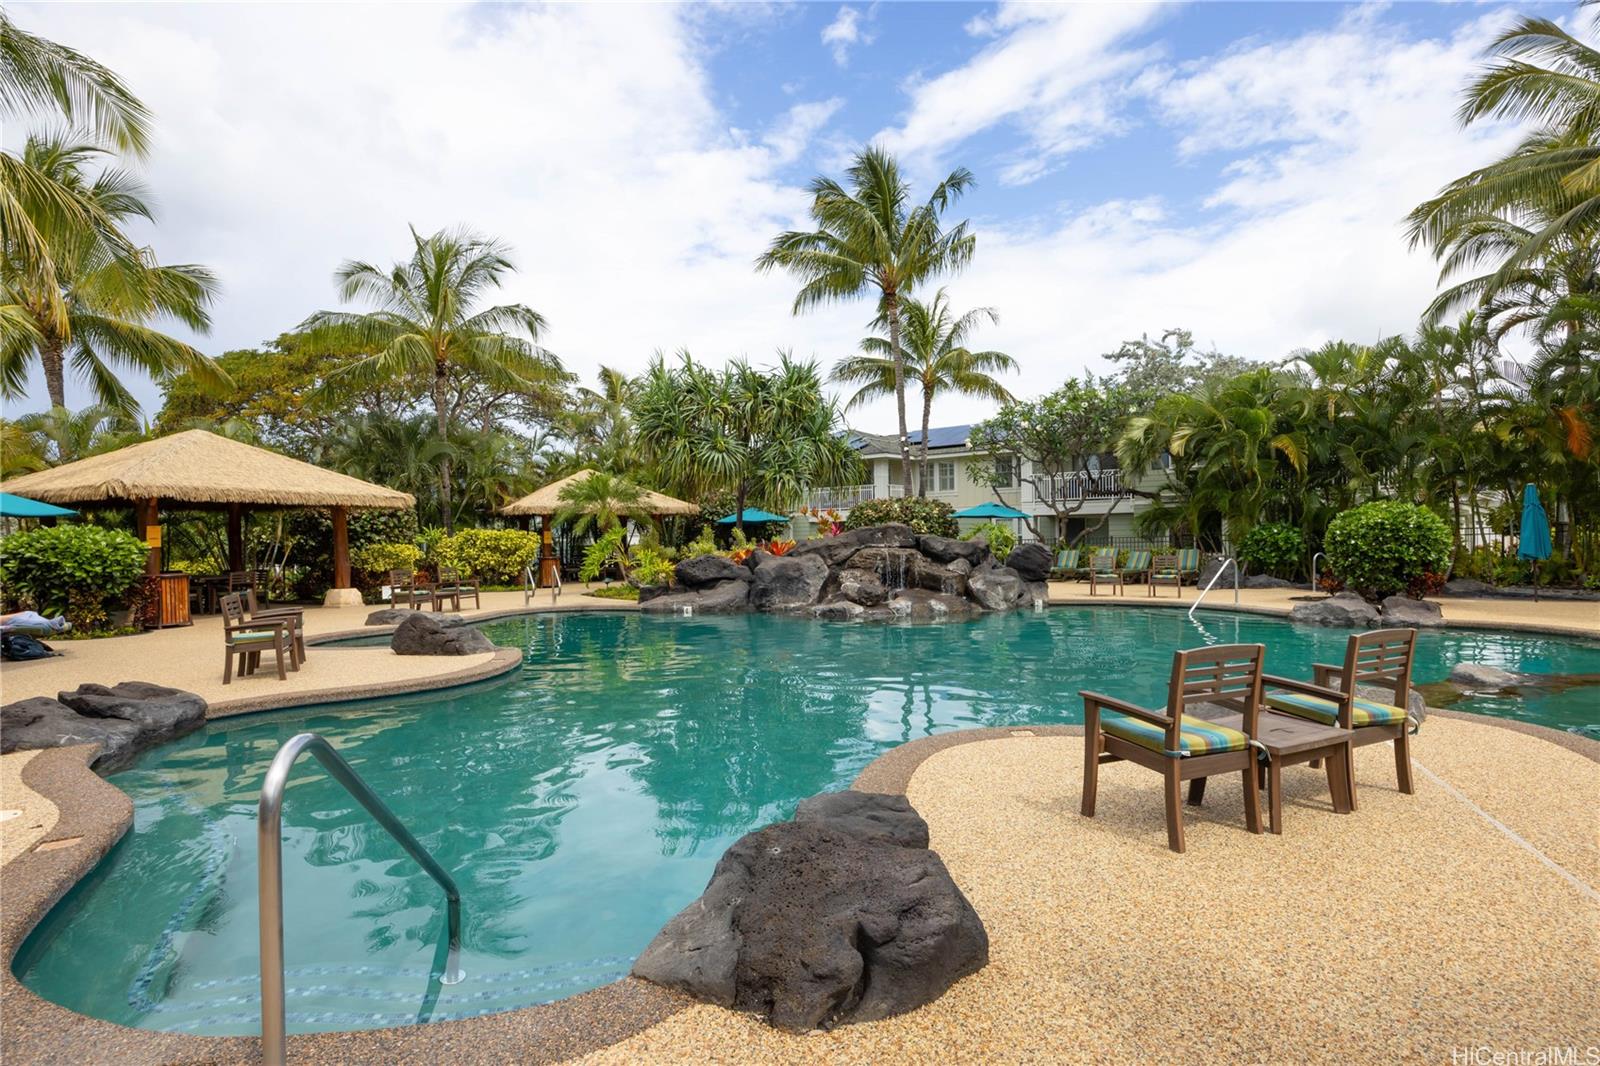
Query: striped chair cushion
{"x": 1362, "y": 712}
{"x": 255, "y": 635}
{"x": 1195, "y": 738}
{"x": 1189, "y": 559}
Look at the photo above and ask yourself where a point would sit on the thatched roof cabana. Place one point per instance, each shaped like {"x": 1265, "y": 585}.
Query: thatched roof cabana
{"x": 547, "y": 500}
{"x": 197, "y": 469}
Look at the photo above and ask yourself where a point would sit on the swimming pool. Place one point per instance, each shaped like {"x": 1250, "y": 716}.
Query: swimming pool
{"x": 583, "y": 800}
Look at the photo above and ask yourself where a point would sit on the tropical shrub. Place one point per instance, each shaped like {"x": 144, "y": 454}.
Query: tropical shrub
{"x": 704, "y": 544}
{"x": 605, "y": 552}
{"x": 652, "y": 565}
{"x": 1001, "y": 540}
{"x": 923, "y": 515}
{"x": 1275, "y": 548}
{"x": 1384, "y": 548}
{"x": 493, "y": 556}
{"x": 382, "y": 557}
{"x": 78, "y": 570}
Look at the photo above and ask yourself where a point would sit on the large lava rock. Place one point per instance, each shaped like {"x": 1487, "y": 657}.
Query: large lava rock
{"x": 922, "y": 605}
{"x": 996, "y": 587}
{"x": 1400, "y": 611}
{"x": 1345, "y": 609}
{"x": 393, "y": 616}
{"x": 783, "y": 583}
{"x": 1482, "y": 675}
{"x": 948, "y": 549}
{"x": 934, "y": 577}
{"x": 840, "y": 916}
{"x": 835, "y": 550}
{"x": 424, "y": 634}
{"x": 1031, "y": 561}
{"x": 125, "y": 720}
{"x": 1264, "y": 581}
{"x": 704, "y": 571}
{"x": 725, "y": 597}
{"x": 863, "y": 587}
{"x": 1416, "y": 706}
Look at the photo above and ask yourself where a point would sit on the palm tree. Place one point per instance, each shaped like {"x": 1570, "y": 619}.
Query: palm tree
{"x": 63, "y": 436}
{"x": 599, "y": 502}
{"x": 109, "y": 298}
{"x": 871, "y": 239}
{"x": 425, "y": 325}
{"x": 936, "y": 358}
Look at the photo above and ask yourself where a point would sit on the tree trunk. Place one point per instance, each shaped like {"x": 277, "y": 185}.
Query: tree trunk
{"x": 927, "y": 416}
{"x": 891, "y": 308}
{"x": 54, "y": 361}
{"x": 441, "y": 382}
{"x": 738, "y": 505}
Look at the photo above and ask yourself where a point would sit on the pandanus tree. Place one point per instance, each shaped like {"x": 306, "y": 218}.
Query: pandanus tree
{"x": 426, "y": 324}
{"x": 871, "y": 238}
{"x": 935, "y": 357}
{"x": 96, "y": 310}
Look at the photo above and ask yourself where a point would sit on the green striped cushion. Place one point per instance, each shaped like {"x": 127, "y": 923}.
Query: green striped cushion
{"x": 1138, "y": 560}
{"x": 1195, "y": 737}
{"x": 255, "y": 635}
{"x": 1188, "y": 559}
{"x": 1362, "y": 712}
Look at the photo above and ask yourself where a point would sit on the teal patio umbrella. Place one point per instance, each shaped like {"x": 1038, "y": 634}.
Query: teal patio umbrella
{"x": 1533, "y": 542}
{"x": 22, "y": 507}
{"x": 990, "y": 510}
{"x": 752, "y": 515}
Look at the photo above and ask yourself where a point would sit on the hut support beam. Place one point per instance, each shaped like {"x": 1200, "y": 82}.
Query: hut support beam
{"x": 235, "y": 536}
{"x": 342, "y": 594}
{"x": 148, "y": 513}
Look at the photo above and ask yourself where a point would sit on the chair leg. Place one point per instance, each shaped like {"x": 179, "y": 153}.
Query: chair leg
{"x": 1197, "y": 791}
{"x": 227, "y": 666}
{"x": 1402, "y": 761}
{"x": 1091, "y": 760}
{"x": 277, "y": 646}
{"x": 1174, "y": 791}
{"x": 1275, "y": 795}
{"x": 1339, "y": 780}
{"x": 1252, "y": 801}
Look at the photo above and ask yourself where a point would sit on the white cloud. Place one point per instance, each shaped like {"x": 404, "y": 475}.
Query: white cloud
{"x": 844, "y": 33}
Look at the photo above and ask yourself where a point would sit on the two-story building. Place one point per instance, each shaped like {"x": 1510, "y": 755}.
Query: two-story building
{"x": 949, "y": 476}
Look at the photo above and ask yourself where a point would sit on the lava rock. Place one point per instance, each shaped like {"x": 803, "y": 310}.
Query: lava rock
{"x": 835, "y": 550}
{"x": 1031, "y": 561}
{"x": 1466, "y": 586}
{"x": 651, "y": 592}
{"x": 1416, "y": 706}
{"x": 839, "y": 611}
{"x": 959, "y": 566}
{"x": 863, "y": 587}
{"x": 725, "y": 597}
{"x": 948, "y": 549}
{"x": 424, "y": 634}
{"x": 1265, "y": 581}
{"x": 995, "y": 587}
{"x": 813, "y": 923}
{"x": 161, "y": 713}
{"x": 927, "y": 574}
{"x": 922, "y": 605}
{"x": 703, "y": 571}
{"x": 1482, "y": 675}
{"x": 1404, "y": 611}
{"x": 783, "y": 582}
{"x": 869, "y": 814}
{"x": 1345, "y": 609}
{"x": 393, "y": 616}
{"x": 41, "y": 722}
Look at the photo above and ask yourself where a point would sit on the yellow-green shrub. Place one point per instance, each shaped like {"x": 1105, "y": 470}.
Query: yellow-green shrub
{"x": 494, "y": 556}
{"x": 381, "y": 558}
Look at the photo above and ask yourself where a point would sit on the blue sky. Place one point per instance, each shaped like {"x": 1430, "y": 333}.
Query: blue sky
{"x": 1237, "y": 169}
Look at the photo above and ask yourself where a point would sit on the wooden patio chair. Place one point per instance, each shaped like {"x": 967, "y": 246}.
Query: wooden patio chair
{"x": 405, "y": 588}
{"x": 454, "y": 587}
{"x": 294, "y": 615}
{"x": 1103, "y": 570}
{"x": 1382, "y": 658}
{"x": 1177, "y": 745}
{"x": 248, "y": 640}
{"x": 1189, "y": 564}
{"x": 1137, "y": 566}
{"x": 1164, "y": 571}
{"x": 1067, "y": 565}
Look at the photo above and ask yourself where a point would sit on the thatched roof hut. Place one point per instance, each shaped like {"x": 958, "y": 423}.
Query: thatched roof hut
{"x": 547, "y": 500}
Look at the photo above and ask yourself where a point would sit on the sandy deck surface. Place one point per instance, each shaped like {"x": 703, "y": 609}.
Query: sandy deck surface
{"x": 1397, "y": 933}
{"x": 25, "y": 816}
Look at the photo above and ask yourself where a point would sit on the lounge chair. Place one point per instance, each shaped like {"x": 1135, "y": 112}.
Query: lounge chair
{"x": 405, "y": 588}
{"x": 1189, "y": 564}
{"x": 1103, "y": 570}
{"x": 1067, "y": 565}
{"x": 452, "y": 586}
{"x": 1176, "y": 745}
{"x": 248, "y": 640}
{"x": 294, "y": 615}
{"x": 1164, "y": 571}
{"x": 1382, "y": 658}
{"x": 1137, "y": 566}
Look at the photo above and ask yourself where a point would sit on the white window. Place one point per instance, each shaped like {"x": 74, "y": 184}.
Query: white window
{"x": 1003, "y": 472}
{"x": 947, "y": 477}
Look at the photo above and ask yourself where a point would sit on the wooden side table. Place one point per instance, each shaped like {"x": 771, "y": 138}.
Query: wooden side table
{"x": 1291, "y": 741}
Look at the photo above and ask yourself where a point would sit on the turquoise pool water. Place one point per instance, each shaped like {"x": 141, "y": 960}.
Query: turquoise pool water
{"x": 582, "y": 801}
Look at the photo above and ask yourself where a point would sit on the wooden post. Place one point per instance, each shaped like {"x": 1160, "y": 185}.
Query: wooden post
{"x": 235, "y": 536}
{"x": 148, "y": 515}
{"x": 341, "y": 548}
{"x": 549, "y": 565}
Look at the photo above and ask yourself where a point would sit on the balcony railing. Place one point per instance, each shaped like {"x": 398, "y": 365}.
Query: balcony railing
{"x": 844, "y": 497}
{"x": 1069, "y": 488}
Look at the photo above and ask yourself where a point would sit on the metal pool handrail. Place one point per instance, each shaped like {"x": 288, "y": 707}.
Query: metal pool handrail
{"x": 1229, "y": 561}
{"x": 1314, "y": 558}
{"x": 269, "y": 850}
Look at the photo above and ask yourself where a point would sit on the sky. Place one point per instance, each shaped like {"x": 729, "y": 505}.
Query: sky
{"x": 1241, "y": 170}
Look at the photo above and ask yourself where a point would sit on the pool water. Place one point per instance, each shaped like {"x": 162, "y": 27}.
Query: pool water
{"x": 583, "y": 800}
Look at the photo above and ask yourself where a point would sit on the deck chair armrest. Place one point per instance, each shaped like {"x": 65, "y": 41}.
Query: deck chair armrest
{"x": 1111, "y": 703}
{"x": 264, "y": 623}
{"x": 1321, "y": 672}
{"x": 1303, "y": 687}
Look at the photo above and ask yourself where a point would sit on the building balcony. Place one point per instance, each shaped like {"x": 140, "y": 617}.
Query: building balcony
{"x": 1071, "y": 488}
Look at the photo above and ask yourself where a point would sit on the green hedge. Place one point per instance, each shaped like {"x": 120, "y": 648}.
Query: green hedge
{"x": 1275, "y": 548}
{"x": 923, "y": 515}
{"x": 1000, "y": 539}
{"x": 494, "y": 556}
{"x": 382, "y": 557}
{"x": 1380, "y": 549}
{"x": 78, "y": 570}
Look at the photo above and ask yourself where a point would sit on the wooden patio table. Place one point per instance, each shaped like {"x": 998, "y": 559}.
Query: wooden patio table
{"x": 1290, "y": 741}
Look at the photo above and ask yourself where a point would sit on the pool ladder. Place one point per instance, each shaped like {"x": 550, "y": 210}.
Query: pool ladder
{"x": 1229, "y": 561}
{"x": 269, "y": 850}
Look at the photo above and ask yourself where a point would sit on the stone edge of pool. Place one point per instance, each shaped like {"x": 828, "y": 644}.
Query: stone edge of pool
{"x": 94, "y": 814}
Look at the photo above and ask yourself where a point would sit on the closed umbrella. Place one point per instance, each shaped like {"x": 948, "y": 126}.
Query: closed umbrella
{"x": 1533, "y": 543}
